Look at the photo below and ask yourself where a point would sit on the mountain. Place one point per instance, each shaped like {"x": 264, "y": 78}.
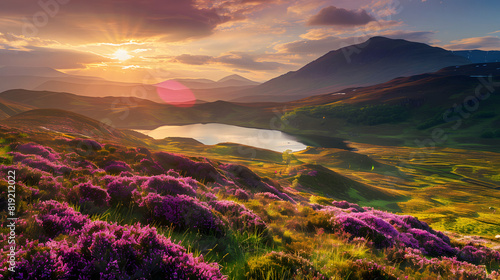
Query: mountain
{"x": 30, "y": 71}
{"x": 48, "y": 79}
{"x": 375, "y": 61}
{"x": 9, "y": 108}
{"x": 233, "y": 81}
{"x": 136, "y": 112}
{"x": 236, "y": 80}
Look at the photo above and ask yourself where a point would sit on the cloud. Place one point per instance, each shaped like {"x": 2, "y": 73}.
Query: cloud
{"x": 329, "y": 43}
{"x": 111, "y": 20}
{"x": 238, "y": 60}
{"x": 337, "y": 16}
{"x": 193, "y": 59}
{"x": 19, "y": 42}
{"x": 487, "y": 43}
{"x": 48, "y": 57}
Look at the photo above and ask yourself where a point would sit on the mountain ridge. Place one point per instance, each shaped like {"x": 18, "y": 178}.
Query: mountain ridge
{"x": 375, "y": 61}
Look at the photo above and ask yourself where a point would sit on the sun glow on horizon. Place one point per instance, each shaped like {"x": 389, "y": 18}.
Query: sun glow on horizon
{"x": 122, "y": 55}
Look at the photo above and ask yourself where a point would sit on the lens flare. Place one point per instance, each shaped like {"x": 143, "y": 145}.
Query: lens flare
{"x": 175, "y": 93}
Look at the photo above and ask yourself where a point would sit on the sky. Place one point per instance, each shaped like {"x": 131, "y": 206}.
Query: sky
{"x": 154, "y": 40}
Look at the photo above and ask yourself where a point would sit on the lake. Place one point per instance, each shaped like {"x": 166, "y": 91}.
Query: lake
{"x": 215, "y": 133}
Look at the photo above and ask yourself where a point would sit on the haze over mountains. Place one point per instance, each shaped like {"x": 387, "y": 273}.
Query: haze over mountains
{"x": 375, "y": 61}
{"x": 47, "y": 79}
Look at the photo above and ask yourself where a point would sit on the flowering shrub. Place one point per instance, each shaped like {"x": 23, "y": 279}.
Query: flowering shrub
{"x": 42, "y": 164}
{"x": 445, "y": 267}
{"x": 149, "y": 167}
{"x": 86, "y": 192}
{"x": 183, "y": 212}
{"x": 115, "y": 167}
{"x": 432, "y": 244}
{"x": 109, "y": 251}
{"x": 240, "y": 218}
{"x": 164, "y": 184}
{"x": 120, "y": 190}
{"x": 198, "y": 170}
{"x": 359, "y": 228}
{"x": 346, "y": 205}
{"x": 57, "y": 218}
{"x": 387, "y": 229}
{"x": 35, "y": 149}
{"x": 267, "y": 195}
{"x": 481, "y": 255}
{"x": 366, "y": 269}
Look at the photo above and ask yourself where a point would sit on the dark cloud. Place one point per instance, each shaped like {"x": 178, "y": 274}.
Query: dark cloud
{"x": 337, "y": 16}
{"x": 47, "y": 57}
{"x": 234, "y": 59}
{"x": 113, "y": 20}
{"x": 193, "y": 59}
{"x": 245, "y": 61}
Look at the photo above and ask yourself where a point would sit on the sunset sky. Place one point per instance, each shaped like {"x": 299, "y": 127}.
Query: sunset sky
{"x": 154, "y": 40}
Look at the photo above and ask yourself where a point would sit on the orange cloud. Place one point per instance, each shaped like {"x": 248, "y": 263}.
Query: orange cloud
{"x": 486, "y": 43}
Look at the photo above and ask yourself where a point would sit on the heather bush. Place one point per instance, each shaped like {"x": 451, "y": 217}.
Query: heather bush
{"x": 120, "y": 190}
{"x": 267, "y": 196}
{"x": 149, "y": 167}
{"x": 51, "y": 187}
{"x": 239, "y": 217}
{"x": 25, "y": 174}
{"x": 444, "y": 267}
{"x": 182, "y": 212}
{"x": 35, "y": 262}
{"x": 432, "y": 244}
{"x": 35, "y": 149}
{"x": 43, "y": 164}
{"x": 359, "y": 228}
{"x": 366, "y": 269}
{"x": 479, "y": 255}
{"x": 346, "y": 205}
{"x": 86, "y": 192}
{"x": 108, "y": 251}
{"x": 202, "y": 171}
{"x": 116, "y": 166}
{"x": 164, "y": 184}
{"x": 57, "y": 218}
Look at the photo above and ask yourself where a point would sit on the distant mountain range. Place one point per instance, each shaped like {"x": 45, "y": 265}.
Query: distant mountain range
{"x": 375, "y": 61}
{"x": 48, "y": 79}
{"x": 405, "y": 107}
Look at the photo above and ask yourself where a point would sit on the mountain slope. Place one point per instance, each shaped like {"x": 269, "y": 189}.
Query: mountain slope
{"x": 375, "y": 61}
{"x": 30, "y": 71}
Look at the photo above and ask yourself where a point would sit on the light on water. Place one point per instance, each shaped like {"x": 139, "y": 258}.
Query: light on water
{"x": 214, "y": 133}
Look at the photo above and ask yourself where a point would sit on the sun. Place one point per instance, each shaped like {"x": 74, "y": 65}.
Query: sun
{"x": 122, "y": 55}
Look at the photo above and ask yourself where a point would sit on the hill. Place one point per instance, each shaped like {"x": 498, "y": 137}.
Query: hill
{"x": 375, "y": 61}
{"x": 69, "y": 123}
{"x": 138, "y": 208}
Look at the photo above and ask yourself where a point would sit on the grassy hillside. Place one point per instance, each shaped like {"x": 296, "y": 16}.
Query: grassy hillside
{"x": 126, "y": 206}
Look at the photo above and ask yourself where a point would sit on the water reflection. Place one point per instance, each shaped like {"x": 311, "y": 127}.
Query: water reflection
{"x": 214, "y": 133}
